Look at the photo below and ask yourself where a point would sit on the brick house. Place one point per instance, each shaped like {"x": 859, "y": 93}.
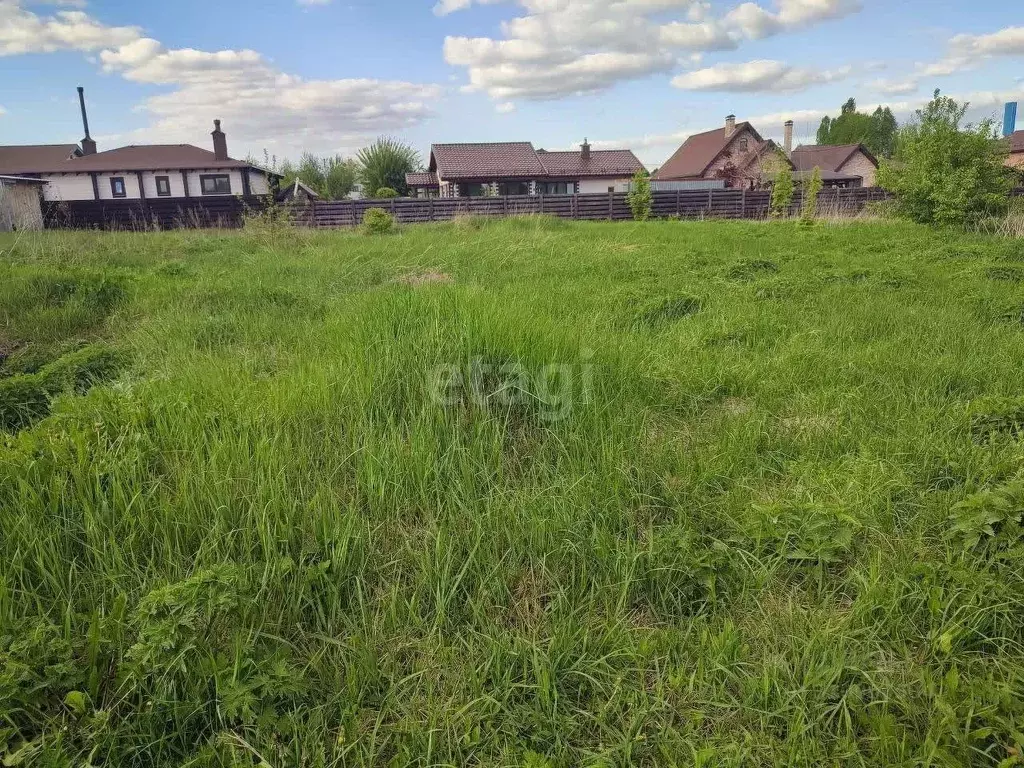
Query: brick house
{"x": 737, "y": 156}
{"x": 516, "y": 168}
{"x": 845, "y": 165}
{"x": 1015, "y": 158}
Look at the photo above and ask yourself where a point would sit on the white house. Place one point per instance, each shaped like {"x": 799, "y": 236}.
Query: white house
{"x": 137, "y": 172}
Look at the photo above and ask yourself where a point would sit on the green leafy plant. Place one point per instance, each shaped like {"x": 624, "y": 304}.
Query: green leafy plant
{"x": 944, "y": 171}
{"x": 377, "y": 221}
{"x": 782, "y": 193}
{"x": 876, "y": 131}
{"x": 812, "y": 188}
{"x": 385, "y": 193}
{"x": 331, "y": 177}
{"x": 639, "y": 196}
{"x": 385, "y": 164}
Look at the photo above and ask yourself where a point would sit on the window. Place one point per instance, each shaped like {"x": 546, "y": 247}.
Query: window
{"x": 215, "y": 184}
{"x": 473, "y": 190}
{"x": 556, "y": 188}
{"x": 163, "y": 186}
{"x": 514, "y": 188}
{"x": 117, "y": 187}
{"x": 743, "y": 144}
{"x": 611, "y": 190}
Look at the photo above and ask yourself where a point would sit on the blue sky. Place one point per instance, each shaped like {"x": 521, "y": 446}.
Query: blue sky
{"x": 329, "y": 75}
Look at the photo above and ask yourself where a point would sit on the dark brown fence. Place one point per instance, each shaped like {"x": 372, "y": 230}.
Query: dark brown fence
{"x": 165, "y": 213}
{"x": 171, "y": 213}
{"x": 719, "y": 203}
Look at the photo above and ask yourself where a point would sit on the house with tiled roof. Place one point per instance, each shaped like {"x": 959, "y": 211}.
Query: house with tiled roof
{"x": 736, "y": 156}
{"x": 850, "y": 165}
{"x": 516, "y": 168}
{"x": 71, "y": 172}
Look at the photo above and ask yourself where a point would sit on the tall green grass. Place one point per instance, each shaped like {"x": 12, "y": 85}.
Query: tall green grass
{"x": 778, "y": 524}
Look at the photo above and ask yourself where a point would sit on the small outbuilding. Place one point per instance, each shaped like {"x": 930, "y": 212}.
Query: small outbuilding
{"x": 21, "y": 203}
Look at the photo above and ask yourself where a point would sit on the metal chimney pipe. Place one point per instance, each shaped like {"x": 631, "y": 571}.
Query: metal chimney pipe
{"x": 88, "y": 145}
{"x": 787, "y": 140}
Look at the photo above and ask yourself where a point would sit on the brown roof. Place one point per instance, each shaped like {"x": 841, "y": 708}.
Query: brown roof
{"x": 699, "y": 151}
{"x": 474, "y": 161}
{"x": 1016, "y": 141}
{"x": 149, "y": 157}
{"x": 421, "y": 179}
{"x": 142, "y": 157}
{"x": 604, "y": 162}
{"x": 828, "y": 158}
{"x": 33, "y": 158}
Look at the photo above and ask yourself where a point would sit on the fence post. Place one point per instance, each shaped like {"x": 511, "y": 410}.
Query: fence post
{"x": 743, "y": 204}
{"x": 679, "y": 206}
{"x": 352, "y": 210}
{"x": 430, "y": 211}
{"x": 611, "y": 206}
{"x": 542, "y": 203}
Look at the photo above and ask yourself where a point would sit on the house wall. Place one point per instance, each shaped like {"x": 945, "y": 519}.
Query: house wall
{"x": 78, "y": 186}
{"x": 860, "y": 165}
{"x": 19, "y": 207}
{"x": 593, "y": 186}
{"x": 734, "y": 157}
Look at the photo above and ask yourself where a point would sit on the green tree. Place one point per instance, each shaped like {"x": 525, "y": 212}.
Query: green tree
{"x": 876, "y": 131}
{"x": 945, "y": 173}
{"x": 385, "y": 163}
{"x": 639, "y": 196}
{"x": 812, "y": 188}
{"x": 782, "y": 192}
{"x": 333, "y": 178}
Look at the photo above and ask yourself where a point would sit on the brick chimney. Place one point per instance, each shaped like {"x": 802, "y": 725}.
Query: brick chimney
{"x": 585, "y": 150}
{"x": 88, "y": 145}
{"x": 730, "y": 125}
{"x": 220, "y": 142}
{"x": 787, "y": 141}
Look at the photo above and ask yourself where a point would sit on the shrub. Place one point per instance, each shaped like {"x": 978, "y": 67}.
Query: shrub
{"x": 639, "y": 196}
{"x": 782, "y": 193}
{"x": 377, "y": 221}
{"x": 943, "y": 173}
{"x": 385, "y": 164}
{"x": 812, "y": 188}
{"x": 385, "y": 193}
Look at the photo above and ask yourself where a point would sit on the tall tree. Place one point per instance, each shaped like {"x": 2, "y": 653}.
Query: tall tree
{"x": 385, "y": 163}
{"x": 876, "y": 131}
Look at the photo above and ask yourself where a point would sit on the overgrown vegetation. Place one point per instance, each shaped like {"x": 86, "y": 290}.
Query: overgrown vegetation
{"x": 811, "y": 191}
{"x": 639, "y": 196}
{"x": 515, "y": 493}
{"x": 944, "y": 171}
{"x": 782, "y": 193}
{"x": 377, "y": 221}
{"x": 333, "y": 178}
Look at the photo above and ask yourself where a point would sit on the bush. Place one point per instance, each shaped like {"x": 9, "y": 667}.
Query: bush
{"x": 377, "y": 221}
{"x": 639, "y": 196}
{"x": 812, "y": 188}
{"x": 384, "y": 193}
{"x": 943, "y": 173}
{"x": 782, "y": 193}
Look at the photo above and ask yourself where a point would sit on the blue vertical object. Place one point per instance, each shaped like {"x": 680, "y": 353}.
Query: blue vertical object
{"x": 1010, "y": 118}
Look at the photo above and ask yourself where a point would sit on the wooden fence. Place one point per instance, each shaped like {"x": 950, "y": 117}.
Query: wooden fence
{"x": 715, "y": 204}
{"x": 171, "y": 213}
{"x": 159, "y": 213}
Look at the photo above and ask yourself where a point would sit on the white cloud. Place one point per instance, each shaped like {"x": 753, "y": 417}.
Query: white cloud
{"x": 1005, "y": 42}
{"x": 762, "y": 76}
{"x": 893, "y": 87}
{"x": 505, "y": 108}
{"x": 22, "y": 31}
{"x": 563, "y": 47}
{"x": 2, "y": 111}
{"x": 261, "y": 106}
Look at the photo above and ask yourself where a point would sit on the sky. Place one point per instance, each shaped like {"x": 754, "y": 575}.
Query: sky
{"x": 327, "y": 76}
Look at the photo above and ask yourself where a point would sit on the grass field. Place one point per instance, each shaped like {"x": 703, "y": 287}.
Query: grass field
{"x": 528, "y": 493}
